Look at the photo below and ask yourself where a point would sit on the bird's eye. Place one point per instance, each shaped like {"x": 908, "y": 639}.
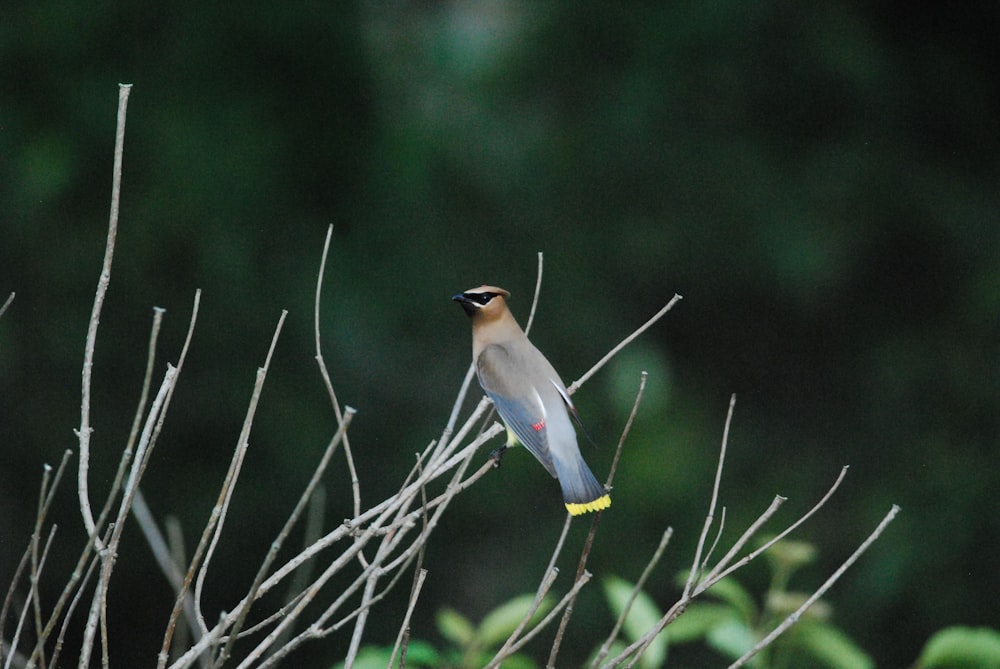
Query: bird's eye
{"x": 481, "y": 298}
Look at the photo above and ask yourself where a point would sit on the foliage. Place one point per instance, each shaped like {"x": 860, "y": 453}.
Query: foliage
{"x": 468, "y": 646}
{"x": 961, "y": 648}
{"x": 734, "y": 621}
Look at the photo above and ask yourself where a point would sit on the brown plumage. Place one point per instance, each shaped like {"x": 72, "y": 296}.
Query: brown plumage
{"x": 529, "y": 396}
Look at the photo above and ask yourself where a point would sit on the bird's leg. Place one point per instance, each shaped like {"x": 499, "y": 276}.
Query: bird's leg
{"x": 496, "y": 454}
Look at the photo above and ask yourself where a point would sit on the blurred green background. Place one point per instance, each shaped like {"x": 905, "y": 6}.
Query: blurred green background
{"x": 819, "y": 181}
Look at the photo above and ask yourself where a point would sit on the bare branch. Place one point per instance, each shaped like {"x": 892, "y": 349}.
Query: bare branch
{"x": 236, "y": 465}
{"x": 290, "y": 523}
{"x": 404, "y": 628}
{"x": 95, "y": 316}
{"x": 6, "y": 304}
{"x": 538, "y": 292}
{"x": 694, "y": 575}
{"x": 324, "y": 372}
{"x": 653, "y": 561}
{"x": 215, "y": 517}
{"x": 543, "y": 589}
{"x": 625, "y": 431}
{"x": 622, "y": 344}
{"x": 794, "y": 617}
{"x": 110, "y": 553}
{"x": 718, "y": 573}
{"x": 569, "y": 597}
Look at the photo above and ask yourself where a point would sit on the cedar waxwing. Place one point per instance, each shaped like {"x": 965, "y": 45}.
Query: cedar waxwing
{"x": 531, "y": 398}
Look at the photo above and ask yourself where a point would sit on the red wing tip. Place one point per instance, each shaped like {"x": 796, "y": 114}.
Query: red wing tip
{"x": 598, "y": 504}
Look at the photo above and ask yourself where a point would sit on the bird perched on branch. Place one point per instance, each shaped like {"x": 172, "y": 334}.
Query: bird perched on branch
{"x": 529, "y": 395}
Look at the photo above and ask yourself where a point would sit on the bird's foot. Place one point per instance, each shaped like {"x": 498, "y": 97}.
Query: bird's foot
{"x": 496, "y": 454}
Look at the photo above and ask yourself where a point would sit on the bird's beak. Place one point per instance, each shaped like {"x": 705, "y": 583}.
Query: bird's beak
{"x": 468, "y": 306}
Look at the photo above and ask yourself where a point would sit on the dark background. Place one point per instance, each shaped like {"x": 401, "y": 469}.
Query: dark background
{"x": 818, "y": 181}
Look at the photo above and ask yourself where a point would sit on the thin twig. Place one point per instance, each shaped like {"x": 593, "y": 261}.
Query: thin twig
{"x": 313, "y": 531}
{"x": 580, "y": 571}
{"x": 710, "y": 517}
{"x": 45, "y": 496}
{"x": 543, "y": 589}
{"x": 559, "y": 546}
{"x": 236, "y": 465}
{"x": 279, "y": 541}
{"x": 718, "y": 573}
{"x": 538, "y": 292}
{"x": 711, "y": 578}
{"x": 622, "y": 344}
{"x": 626, "y": 430}
{"x": 325, "y": 373}
{"x": 91, "y": 570}
{"x": 653, "y": 561}
{"x": 95, "y": 317}
{"x": 456, "y": 408}
{"x": 208, "y": 536}
{"x": 404, "y": 628}
{"x": 543, "y": 623}
{"x": 147, "y": 378}
{"x": 33, "y": 603}
{"x": 715, "y": 541}
{"x": 109, "y": 554}
{"x": 7, "y": 303}
{"x": 794, "y": 616}
{"x": 595, "y": 521}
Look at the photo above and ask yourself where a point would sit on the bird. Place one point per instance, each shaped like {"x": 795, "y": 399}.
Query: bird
{"x": 529, "y": 396}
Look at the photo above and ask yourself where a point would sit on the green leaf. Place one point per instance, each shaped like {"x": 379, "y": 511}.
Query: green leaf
{"x": 455, "y": 627}
{"x": 831, "y": 646}
{"x": 420, "y": 654}
{"x": 732, "y": 638}
{"x": 962, "y": 648}
{"x": 642, "y": 617}
{"x": 698, "y": 620}
{"x": 498, "y": 624}
{"x": 518, "y": 661}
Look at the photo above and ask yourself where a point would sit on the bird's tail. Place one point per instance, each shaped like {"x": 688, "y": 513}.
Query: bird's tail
{"x": 581, "y": 490}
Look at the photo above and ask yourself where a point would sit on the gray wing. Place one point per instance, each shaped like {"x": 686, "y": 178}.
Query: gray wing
{"x": 520, "y": 407}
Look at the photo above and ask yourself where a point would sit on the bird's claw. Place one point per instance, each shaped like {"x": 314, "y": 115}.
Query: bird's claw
{"x": 496, "y": 454}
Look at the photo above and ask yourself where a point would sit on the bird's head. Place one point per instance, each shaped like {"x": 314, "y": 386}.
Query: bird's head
{"x": 485, "y": 302}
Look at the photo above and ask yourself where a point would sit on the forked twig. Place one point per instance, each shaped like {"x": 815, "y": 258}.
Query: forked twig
{"x": 544, "y": 622}
{"x": 795, "y": 615}
{"x": 694, "y": 587}
{"x": 710, "y": 517}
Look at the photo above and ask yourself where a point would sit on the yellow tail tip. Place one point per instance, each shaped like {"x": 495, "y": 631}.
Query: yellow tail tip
{"x": 597, "y": 505}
